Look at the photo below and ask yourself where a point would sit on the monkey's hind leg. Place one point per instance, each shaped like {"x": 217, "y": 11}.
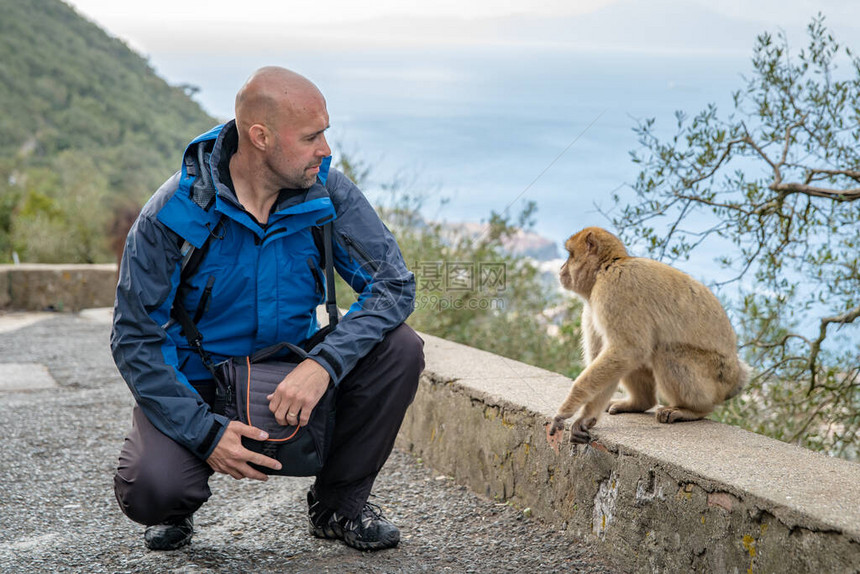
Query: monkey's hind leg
{"x": 641, "y": 390}
{"x": 687, "y": 384}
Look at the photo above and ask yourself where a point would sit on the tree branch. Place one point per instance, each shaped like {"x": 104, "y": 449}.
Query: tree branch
{"x": 852, "y": 173}
{"x": 732, "y": 207}
{"x": 840, "y": 195}
{"x": 843, "y": 319}
{"x": 726, "y": 152}
{"x": 809, "y": 420}
{"x": 788, "y": 131}
{"x": 777, "y": 175}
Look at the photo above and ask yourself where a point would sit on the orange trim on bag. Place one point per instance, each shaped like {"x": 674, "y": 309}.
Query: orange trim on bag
{"x": 248, "y": 406}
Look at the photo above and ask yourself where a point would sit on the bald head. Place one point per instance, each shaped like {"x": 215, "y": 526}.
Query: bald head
{"x": 271, "y": 96}
{"x": 281, "y": 118}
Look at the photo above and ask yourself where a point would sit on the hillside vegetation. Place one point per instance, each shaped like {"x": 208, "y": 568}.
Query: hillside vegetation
{"x": 86, "y": 126}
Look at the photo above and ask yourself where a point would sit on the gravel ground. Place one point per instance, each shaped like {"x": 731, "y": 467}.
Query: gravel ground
{"x": 58, "y": 512}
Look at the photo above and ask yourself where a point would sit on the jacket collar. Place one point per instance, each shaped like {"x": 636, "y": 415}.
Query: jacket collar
{"x": 226, "y": 145}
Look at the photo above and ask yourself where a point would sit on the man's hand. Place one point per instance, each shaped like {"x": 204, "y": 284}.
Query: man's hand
{"x": 230, "y": 457}
{"x": 298, "y": 394}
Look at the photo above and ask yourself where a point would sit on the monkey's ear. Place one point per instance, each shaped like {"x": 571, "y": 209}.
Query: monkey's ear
{"x": 591, "y": 242}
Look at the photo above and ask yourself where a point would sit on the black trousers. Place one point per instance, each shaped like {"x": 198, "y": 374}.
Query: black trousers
{"x": 159, "y": 479}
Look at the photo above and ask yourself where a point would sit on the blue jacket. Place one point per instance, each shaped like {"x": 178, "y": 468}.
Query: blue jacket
{"x": 264, "y": 285}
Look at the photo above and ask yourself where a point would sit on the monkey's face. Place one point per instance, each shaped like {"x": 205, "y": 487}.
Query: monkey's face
{"x": 569, "y": 269}
{"x": 587, "y": 251}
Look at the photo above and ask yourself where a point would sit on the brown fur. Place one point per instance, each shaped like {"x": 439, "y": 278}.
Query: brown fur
{"x": 652, "y": 328}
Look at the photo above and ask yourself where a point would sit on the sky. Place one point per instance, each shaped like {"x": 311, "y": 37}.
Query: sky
{"x": 162, "y": 26}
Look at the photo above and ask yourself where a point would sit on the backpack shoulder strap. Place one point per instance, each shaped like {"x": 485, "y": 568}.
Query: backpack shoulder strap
{"x": 191, "y": 258}
{"x": 328, "y": 256}
{"x": 323, "y": 241}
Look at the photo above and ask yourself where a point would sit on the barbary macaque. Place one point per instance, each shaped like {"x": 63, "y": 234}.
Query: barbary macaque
{"x": 653, "y": 328}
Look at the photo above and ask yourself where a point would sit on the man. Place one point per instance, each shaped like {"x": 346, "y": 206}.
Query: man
{"x": 269, "y": 185}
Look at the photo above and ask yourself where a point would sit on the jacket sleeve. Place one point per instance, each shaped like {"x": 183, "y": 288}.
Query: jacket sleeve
{"x": 144, "y": 353}
{"x": 367, "y": 256}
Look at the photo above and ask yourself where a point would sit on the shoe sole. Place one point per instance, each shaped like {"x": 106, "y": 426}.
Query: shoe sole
{"x": 326, "y": 533}
{"x": 174, "y": 546}
{"x": 331, "y": 534}
{"x": 376, "y": 545}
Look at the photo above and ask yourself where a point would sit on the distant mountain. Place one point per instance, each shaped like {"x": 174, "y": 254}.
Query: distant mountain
{"x": 84, "y": 121}
{"x": 521, "y": 243}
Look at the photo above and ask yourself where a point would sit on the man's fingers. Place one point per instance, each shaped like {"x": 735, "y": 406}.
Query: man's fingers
{"x": 263, "y": 460}
{"x": 251, "y": 432}
{"x": 249, "y": 472}
{"x": 242, "y": 467}
{"x": 236, "y": 473}
{"x": 279, "y": 408}
{"x": 280, "y": 416}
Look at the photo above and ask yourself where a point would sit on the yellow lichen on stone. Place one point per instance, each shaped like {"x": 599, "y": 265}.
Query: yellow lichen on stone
{"x": 749, "y": 545}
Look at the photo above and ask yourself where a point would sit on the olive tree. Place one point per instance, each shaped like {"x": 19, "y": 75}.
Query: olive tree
{"x": 776, "y": 181}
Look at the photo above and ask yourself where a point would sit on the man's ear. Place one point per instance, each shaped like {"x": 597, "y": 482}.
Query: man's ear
{"x": 259, "y": 136}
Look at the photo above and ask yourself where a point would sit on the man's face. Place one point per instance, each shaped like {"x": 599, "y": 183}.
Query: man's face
{"x": 300, "y": 143}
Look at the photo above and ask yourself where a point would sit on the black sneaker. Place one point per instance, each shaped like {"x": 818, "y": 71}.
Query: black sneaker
{"x": 170, "y": 535}
{"x": 369, "y": 531}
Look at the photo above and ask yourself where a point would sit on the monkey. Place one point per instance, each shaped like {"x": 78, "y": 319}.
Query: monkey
{"x": 649, "y": 326}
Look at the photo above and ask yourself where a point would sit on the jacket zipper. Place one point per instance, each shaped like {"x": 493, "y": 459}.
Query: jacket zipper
{"x": 350, "y": 242}
{"x": 203, "y": 304}
{"x": 318, "y": 280}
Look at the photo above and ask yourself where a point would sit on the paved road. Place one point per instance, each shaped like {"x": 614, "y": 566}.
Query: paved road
{"x": 58, "y": 448}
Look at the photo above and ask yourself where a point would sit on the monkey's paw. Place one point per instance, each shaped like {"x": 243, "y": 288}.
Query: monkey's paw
{"x": 669, "y": 415}
{"x": 557, "y": 425}
{"x": 617, "y": 407}
{"x": 579, "y": 431}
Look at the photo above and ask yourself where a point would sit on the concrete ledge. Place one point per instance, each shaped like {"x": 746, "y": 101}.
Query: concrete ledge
{"x": 689, "y": 497}
{"x": 37, "y": 287}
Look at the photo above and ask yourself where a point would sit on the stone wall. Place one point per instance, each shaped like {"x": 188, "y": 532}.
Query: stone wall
{"x": 37, "y": 287}
{"x": 689, "y": 497}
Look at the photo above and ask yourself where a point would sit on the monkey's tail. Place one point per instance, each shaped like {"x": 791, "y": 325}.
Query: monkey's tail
{"x": 743, "y": 379}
